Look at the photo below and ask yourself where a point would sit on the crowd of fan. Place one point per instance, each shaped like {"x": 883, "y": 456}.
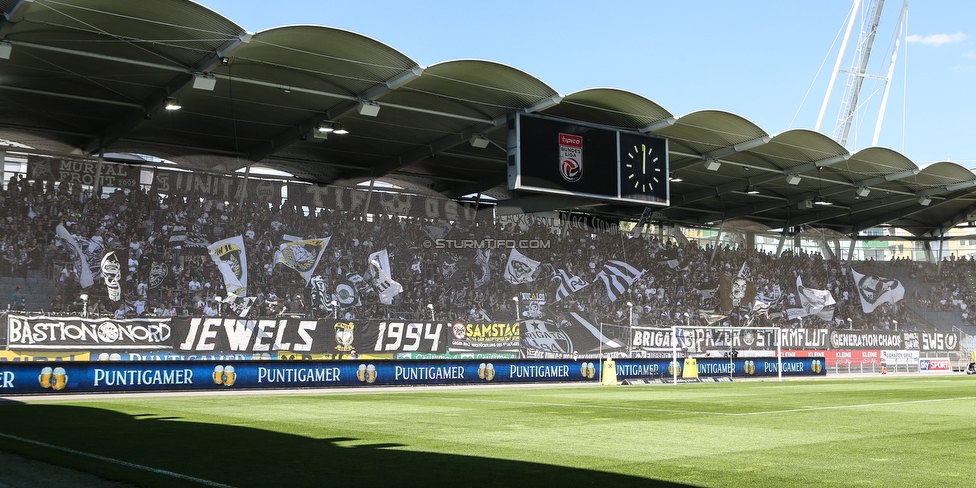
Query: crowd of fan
{"x": 679, "y": 280}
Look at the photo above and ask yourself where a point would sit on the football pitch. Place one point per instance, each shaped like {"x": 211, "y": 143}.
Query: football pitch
{"x": 879, "y": 431}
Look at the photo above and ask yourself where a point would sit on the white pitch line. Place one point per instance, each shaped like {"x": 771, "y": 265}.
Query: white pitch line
{"x": 723, "y": 414}
{"x": 837, "y": 407}
{"x": 119, "y": 462}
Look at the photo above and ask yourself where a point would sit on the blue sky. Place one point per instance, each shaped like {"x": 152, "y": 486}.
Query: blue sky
{"x": 768, "y": 61}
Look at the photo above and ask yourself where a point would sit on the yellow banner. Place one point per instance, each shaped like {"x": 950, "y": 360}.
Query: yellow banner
{"x": 44, "y": 356}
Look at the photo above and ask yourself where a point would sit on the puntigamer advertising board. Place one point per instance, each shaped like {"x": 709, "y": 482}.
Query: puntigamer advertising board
{"x": 119, "y": 376}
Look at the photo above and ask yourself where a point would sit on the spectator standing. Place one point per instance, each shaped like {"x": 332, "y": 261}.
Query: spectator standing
{"x": 17, "y": 299}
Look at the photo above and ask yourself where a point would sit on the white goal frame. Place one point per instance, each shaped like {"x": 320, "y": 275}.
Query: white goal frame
{"x": 674, "y": 346}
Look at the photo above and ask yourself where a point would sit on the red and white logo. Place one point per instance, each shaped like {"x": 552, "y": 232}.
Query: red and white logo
{"x": 570, "y": 157}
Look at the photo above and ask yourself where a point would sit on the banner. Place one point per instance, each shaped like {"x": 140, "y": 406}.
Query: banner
{"x": 661, "y": 369}
{"x": 83, "y": 171}
{"x": 355, "y": 200}
{"x": 875, "y": 291}
{"x": 851, "y": 339}
{"x": 43, "y": 356}
{"x": 305, "y": 336}
{"x": 231, "y": 259}
{"x": 485, "y": 336}
{"x": 71, "y": 333}
{"x": 235, "y": 335}
{"x": 219, "y": 187}
{"x": 737, "y": 291}
{"x": 381, "y": 337}
{"x": 568, "y": 336}
{"x": 931, "y": 341}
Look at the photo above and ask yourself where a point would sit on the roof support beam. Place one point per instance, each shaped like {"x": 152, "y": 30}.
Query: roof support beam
{"x": 348, "y": 105}
{"x": 542, "y": 203}
{"x": 133, "y": 118}
{"x": 742, "y": 146}
{"x": 14, "y": 15}
{"x": 949, "y": 224}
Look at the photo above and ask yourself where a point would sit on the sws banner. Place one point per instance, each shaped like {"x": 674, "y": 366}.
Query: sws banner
{"x": 313, "y": 336}
{"x": 72, "y": 333}
{"x": 39, "y": 378}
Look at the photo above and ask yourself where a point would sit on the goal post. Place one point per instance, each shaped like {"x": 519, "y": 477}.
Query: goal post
{"x": 693, "y": 342}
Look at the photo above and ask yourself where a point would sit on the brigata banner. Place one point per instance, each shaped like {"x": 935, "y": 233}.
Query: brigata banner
{"x": 76, "y": 333}
{"x": 306, "y": 336}
{"x": 697, "y": 340}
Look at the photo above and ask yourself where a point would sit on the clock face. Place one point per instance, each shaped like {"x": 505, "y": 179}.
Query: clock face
{"x": 643, "y": 168}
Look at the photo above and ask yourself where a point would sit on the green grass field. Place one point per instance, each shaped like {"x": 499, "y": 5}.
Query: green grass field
{"x": 887, "y": 431}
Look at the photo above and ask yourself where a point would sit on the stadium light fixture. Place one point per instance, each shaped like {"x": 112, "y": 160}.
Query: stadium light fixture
{"x": 751, "y": 190}
{"x": 369, "y": 108}
{"x": 5, "y": 49}
{"x": 479, "y": 141}
{"x": 793, "y": 179}
{"x": 712, "y": 165}
{"x": 924, "y": 201}
{"x": 327, "y": 127}
{"x": 172, "y": 104}
{"x": 862, "y": 191}
{"x": 204, "y": 81}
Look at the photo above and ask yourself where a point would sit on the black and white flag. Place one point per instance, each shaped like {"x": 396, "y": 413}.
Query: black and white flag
{"x": 568, "y": 284}
{"x": 618, "y": 276}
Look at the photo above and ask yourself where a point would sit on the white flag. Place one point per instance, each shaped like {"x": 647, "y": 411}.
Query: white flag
{"x": 85, "y": 278}
{"x": 301, "y": 255}
{"x": 383, "y": 283}
{"x": 520, "y": 269}
{"x": 230, "y": 258}
{"x": 875, "y": 290}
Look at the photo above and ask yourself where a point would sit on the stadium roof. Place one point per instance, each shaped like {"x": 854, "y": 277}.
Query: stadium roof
{"x": 85, "y": 77}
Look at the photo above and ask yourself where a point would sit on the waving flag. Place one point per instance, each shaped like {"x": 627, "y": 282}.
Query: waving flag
{"x": 520, "y": 268}
{"x": 85, "y": 278}
{"x": 875, "y": 290}
{"x": 568, "y": 284}
{"x": 230, "y": 258}
{"x": 812, "y": 302}
{"x": 302, "y": 255}
{"x": 384, "y": 285}
{"x": 618, "y": 276}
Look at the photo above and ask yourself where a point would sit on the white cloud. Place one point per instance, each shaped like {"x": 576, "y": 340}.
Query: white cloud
{"x": 937, "y": 39}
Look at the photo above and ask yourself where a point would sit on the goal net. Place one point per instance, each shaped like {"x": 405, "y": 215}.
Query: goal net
{"x": 722, "y": 351}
